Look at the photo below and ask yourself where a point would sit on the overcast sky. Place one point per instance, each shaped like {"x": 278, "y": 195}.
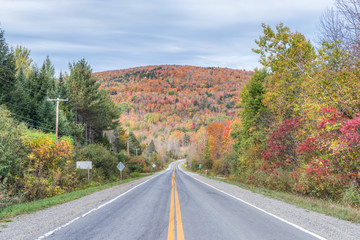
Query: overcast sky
{"x": 118, "y": 34}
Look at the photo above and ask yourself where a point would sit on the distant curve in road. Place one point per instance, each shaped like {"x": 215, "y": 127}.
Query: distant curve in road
{"x": 173, "y": 205}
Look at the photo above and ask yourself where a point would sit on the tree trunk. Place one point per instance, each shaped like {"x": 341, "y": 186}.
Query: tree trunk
{"x": 86, "y": 133}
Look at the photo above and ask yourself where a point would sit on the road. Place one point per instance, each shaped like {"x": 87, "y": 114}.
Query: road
{"x": 173, "y": 205}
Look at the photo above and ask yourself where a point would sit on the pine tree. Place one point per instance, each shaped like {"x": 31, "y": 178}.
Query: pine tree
{"x": 7, "y": 70}
{"x": 92, "y": 107}
{"x": 151, "y": 149}
{"x": 134, "y": 144}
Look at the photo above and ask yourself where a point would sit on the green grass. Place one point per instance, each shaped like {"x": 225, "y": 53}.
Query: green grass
{"x": 29, "y": 207}
{"x": 328, "y": 207}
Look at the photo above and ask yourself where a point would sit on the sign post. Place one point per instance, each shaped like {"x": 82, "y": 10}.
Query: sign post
{"x": 121, "y": 167}
{"x": 200, "y": 166}
{"x": 84, "y": 165}
{"x": 153, "y": 167}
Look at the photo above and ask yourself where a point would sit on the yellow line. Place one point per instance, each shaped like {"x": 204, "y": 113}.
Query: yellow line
{"x": 180, "y": 231}
{"x": 179, "y": 225}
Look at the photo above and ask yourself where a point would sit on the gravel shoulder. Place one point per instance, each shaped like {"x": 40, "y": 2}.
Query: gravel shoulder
{"x": 30, "y": 226}
{"x": 326, "y": 226}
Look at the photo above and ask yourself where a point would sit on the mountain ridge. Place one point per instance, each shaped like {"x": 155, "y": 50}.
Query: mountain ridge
{"x": 160, "y": 101}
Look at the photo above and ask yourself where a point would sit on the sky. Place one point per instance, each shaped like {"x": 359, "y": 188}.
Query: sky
{"x": 120, "y": 34}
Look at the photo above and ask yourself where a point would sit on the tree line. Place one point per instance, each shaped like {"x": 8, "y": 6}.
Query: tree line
{"x": 34, "y": 162}
{"x": 299, "y": 119}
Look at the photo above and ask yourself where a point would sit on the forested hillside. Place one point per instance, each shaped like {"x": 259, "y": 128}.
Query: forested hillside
{"x": 168, "y": 104}
{"x": 293, "y": 125}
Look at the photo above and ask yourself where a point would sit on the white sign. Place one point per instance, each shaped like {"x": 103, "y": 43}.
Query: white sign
{"x": 120, "y": 166}
{"x": 154, "y": 165}
{"x": 84, "y": 164}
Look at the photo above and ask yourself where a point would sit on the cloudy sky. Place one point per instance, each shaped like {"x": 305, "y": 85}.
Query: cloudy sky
{"x": 118, "y": 34}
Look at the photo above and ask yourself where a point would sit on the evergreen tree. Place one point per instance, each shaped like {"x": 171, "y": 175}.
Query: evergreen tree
{"x": 151, "y": 149}
{"x": 92, "y": 106}
{"x": 134, "y": 144}
{"x": 7, "y": 70}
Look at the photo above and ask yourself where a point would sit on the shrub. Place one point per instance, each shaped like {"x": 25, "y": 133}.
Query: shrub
{"x": 49, "y": 169}
{"x": 135, "y": 174}
{"x": 136, "y": 164}
{"x": 104, "y": 163}
{"x": 352, "y": 196}
{"x": 12, "y": 152}
{"x": 320, "y": 180}
{"x": 225, "y": 164}
{"x": 281, "y": 143}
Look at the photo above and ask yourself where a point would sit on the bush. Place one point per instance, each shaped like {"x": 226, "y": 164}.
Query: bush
{"x": 225, "y": 164}
{"x": 135, "y": 174}
{"x": 194, "y": 164}
{"x": 137, "y": 165}
{"x": 319, "y": 180}
{"x": 12, "y": 152}
{"x": 352, "y": 196}
{"x": 104, "y": 163}
{"x": 49, "y": 169}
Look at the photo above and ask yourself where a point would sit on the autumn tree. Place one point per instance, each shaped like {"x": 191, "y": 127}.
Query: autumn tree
{"x": 23, "y": 60}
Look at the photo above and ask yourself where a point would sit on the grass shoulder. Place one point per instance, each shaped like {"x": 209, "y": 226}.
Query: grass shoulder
{"x": 30, "y": 207}
{"x": 327, "y": 207}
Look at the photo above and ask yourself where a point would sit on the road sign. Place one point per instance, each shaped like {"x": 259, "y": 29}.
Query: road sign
{"x": 84, "y": 165}
{"x": 120, "y": 166}
{"x": 154, "y": 165}
{"x": 199, "y": 165}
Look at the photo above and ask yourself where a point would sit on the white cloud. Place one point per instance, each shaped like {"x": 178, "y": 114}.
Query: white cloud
{"x": 113, "y": 33}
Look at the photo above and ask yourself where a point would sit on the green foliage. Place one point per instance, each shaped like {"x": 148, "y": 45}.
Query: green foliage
{"x": 7, "y": 70}
{"x": 134, "y": 174}
{"x": 134, "y": 144}
{"x": 23, "y": 60}
{"x": 225, "y": 165}
{"x": 307, "y": 108}
{"x": 207, "y": 155}
{"x": 104, "y": 163}
{"x": 12, "y": 152}
{"x": 48, "y": 167}
{"x": 351, "y": 196}
{"x": 253, "y": 113}
{"x": 150, "y": 149}
{"x": 92, "y": 106}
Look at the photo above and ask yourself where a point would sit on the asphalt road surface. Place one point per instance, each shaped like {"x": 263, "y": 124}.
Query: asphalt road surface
{"x": 173, "y": 205}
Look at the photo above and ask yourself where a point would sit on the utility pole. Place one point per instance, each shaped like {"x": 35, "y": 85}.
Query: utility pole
{"x": 57, "y": 111}
{"x": 128, "y": 148}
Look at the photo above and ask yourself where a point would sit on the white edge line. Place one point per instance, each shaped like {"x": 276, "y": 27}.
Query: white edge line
{"x": 262, "y": 210}
{"x": 94, "y": 209}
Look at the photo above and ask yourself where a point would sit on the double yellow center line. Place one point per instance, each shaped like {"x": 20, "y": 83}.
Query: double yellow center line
{"x": 179, "y": 225}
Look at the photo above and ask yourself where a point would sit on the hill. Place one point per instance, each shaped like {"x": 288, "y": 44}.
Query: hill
{"x": 169, "y": 103}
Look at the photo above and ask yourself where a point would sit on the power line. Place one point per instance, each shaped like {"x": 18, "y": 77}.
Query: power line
{"x": 51, "y": 130}
{"x": 13, "y": 104}
{"x": 14, "y": 72}
{"x": 42, "y": 88}
{"x": 27, "y": 119}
